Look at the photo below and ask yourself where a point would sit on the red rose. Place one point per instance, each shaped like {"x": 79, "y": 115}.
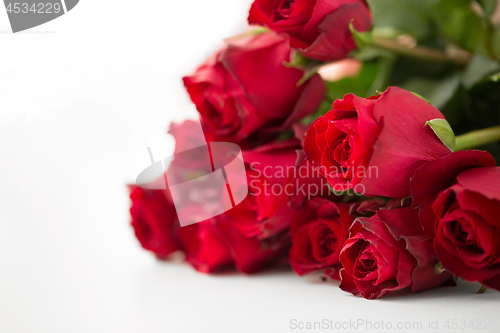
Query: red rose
{"x": 205, "y": 247}
{"x": 245, "y": 88}
{"x": 319, "y": 229}
{"x": 319, "y": 29}
{"x": 216, "y": 244}
{"x": 374, "y": 145}
{"x": 265, "y": 211}
{"x": 187, "y": 135}
{"x": 436, "y": 176}
{"x": 154, "y": 221}
{"x": 279, "y": 181}
{"x": 464, "y": 191}
{"x": 388, "y": 252}
{"x": 250, "y": 254}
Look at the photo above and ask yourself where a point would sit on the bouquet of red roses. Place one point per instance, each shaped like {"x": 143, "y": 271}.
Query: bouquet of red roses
{"x": 349, "y": 166}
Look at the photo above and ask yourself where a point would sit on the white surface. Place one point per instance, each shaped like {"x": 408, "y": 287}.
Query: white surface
{"x": 71, "y": 91}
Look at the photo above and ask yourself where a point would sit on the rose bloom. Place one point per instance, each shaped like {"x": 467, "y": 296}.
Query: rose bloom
{"x": 209, "y": 246}
{"x": 205, "y": 247}
{"x": 374, "y": 145}
{"x": 250, "y": 254}
{"x": 244, "y": 92}
{"x": 215, "y": 245}
{"x": 154, "y": 221}
{"x": 279, "y": 182}
{"x": 319, "y": 29}
{"x": 387, "y": 252}
{"x": 265, "y": 211}
{"x": 459, "y": 197}
{"x": 319, "y": 229}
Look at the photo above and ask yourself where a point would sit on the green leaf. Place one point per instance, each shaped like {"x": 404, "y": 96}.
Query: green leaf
{"x": 462, "y": 25}
{"x": 362, "y": 39}
{"x": 443, "y": 131}
{"x": 297, "y": 60}
{"x": 407, "y": 16}
{"x": 421, "y": 97}
{"x": 437, "y": 91}
{"x": 308, "y": 73}
{"x": 489, "y": 6}
{"x": 357, "y": 85}
{"x": 495, "y": 43}
{"x": 479, "y": 68}
{"x": 372, "y": 77}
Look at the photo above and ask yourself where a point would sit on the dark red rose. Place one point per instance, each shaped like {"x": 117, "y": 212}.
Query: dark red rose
{"x": 206, "y": 179}
{"x": 319, "y": 230}
{"x": 205, "y": 247}
{"x": 244, "y": 88}
{"x": 279, "y": 181}
{"x": 265, "y": 211}
{"x": 319, "y": 29}
{"x": 374, "y": 145}
{"x": 436, "y": 176}
{"x": 154, "y": 221}
{"x": 464, "y": 221}
{"x": 250, "y": 254}
{"x": 386, "y": 252}
{"x": 216, "y": 244}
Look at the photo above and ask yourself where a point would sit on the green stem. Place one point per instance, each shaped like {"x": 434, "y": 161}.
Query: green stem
{"x": 420, "y": 52}
{"x": 477, "y": 138}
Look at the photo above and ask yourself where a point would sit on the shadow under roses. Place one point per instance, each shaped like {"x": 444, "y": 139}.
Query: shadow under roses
{"x": 463, "y": 290}
{"x": 178, "y": 260}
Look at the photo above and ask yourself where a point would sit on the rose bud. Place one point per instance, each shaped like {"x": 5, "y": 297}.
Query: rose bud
{"x": 245, "y": 88}
{"x": 319, "y": 229}
{"x": 205, "y": 247}
{"x": 386, "y": 252}
{"x": 463, "y": 191}
{"x": 215, "y": 244}
{"x": 266, "y": 212}
{"x": 250, "y": 254}
{"x": 374, "y": 145}
{"x": 154, "y": 221}
{"x": 319, "y": 29}
{"x": 279, "y": 181}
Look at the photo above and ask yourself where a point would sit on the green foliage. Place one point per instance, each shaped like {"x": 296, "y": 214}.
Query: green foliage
{"x": 437, "y": 92}
{"x": 479, "y": 69}
{"x": 446, "y": 51}
{"x": 443, "y": 131}
{"x": 488, "y": 6}
{"x": 362, "y": 39}
{"x": 405, "y": 16}
{"x": 372, "y": 77}
{"x": 463, "y": 26}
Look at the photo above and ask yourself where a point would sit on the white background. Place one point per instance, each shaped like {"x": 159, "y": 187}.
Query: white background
{"x": 71, "y": 91}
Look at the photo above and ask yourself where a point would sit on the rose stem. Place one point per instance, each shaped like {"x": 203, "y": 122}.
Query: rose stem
{"x": 477, "y": 138}
{"x": 420, "y": 52}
